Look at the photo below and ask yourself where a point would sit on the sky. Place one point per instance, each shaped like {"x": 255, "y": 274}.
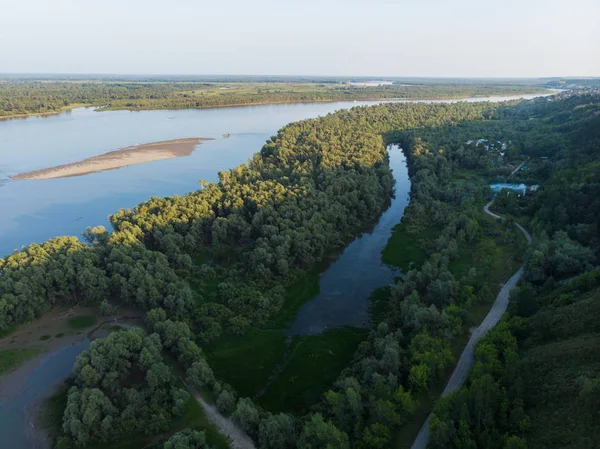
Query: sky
{"x": 433, "y": 38}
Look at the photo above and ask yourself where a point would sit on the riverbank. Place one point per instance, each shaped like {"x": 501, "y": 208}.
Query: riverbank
{"x": 296, "y": 97}
{"x": 45, "y": 114}
{"x": 55, "y": 339}
{"x": 132, "y": 155}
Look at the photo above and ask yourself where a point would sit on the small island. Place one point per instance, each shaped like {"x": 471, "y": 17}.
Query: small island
{"x": 135, "y": 154}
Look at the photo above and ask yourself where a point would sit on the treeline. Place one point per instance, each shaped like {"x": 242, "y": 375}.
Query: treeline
{"x": 35, "y": 97}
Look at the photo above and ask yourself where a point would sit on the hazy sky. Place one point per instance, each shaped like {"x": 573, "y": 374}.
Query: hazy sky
{"x": 302, "y": 37}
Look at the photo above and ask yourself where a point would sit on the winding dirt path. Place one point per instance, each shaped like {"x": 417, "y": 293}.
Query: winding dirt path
{"x": 237, "y": 437}
{"x": 467, "y": 357}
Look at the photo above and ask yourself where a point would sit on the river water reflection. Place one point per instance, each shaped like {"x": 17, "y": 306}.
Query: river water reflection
{"x": 346, "y": 285}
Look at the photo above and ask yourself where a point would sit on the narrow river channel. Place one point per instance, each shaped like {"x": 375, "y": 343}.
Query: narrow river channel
{"x": 346, "y": 285}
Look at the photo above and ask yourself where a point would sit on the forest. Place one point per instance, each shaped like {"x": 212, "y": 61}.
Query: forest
{"x": 222, "y": 262}
{"x": 24, "y": 97}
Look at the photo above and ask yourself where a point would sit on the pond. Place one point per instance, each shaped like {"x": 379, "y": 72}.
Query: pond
{"x": 496, "y": 188}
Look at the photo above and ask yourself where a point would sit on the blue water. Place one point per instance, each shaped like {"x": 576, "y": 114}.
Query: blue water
{"x": 496, "y": 188}
{"x": 48, "y": 373}
{"x": 345, "y": 287}
{"x": 33, "y": 211}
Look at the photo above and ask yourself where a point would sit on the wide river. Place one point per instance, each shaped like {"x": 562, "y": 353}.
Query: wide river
{"x": 33, "y": 211}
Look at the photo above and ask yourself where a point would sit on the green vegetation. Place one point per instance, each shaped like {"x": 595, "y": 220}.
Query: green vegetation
{"x": 406, "y": 249}
{"x": 22, "y": 97}
{"x": 313, "y": 364}
{"x": 298, "y": 293}
{"x": 11, "y": 358}
{"x": 257, "y": 351}
{"x": 267, "y": 224}
{"x": 120, "y": 387}
{"x": 81, "y": 322}
{"x": 193, "y": 418}
{"x": 536, "y": 374}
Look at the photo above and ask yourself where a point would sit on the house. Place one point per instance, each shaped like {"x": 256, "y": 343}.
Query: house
{"x": 469, "y": 142}
{"x": 534, "y": 187}
{"x": 523, "y": 167}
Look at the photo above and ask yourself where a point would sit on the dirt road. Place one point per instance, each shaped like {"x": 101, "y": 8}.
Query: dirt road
{"x": 237, "y": 437}
{"x": 467, "y": 357}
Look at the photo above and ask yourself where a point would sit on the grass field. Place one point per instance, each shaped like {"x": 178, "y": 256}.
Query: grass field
{"x": 313, "y": 365}
{"x": 406, "y": 249}
{"x": 246, "y": 361}
{"x": 82, "y": 322}
{"x": 10, "y": 358}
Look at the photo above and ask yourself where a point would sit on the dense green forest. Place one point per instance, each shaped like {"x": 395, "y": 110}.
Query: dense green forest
{"x": 223, "y": 264}
{"x": 536, "y": 375}
{"x": 43, "y": 97}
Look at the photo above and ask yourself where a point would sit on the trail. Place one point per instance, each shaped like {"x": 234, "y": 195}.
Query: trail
{"x": 467, "y": 357}
{"x": 515, "y": 170}
{"x": 237, "y": 437}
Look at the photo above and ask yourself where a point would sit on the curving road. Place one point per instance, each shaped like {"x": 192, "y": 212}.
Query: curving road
{"x": 467, "y": 357}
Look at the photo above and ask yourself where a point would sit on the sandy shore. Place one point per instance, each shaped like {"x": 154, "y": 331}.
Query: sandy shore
{"x": 136, "y": 154}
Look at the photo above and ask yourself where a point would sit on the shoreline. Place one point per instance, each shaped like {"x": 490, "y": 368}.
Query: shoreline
{"x": 100, "y": 108}
{"x": 17, "y": 381}
{"x": 124, "y": 157}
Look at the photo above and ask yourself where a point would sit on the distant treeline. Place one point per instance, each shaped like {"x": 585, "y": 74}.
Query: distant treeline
{"x": 43, "y": 97}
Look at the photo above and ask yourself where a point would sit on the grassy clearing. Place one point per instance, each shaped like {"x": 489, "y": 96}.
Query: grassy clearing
{"x": 11, "y": 358}
{"x": 406, "y": 249}
{"x": 314, "y": 364}
{"x": 54, "y": 407}
{"x": 246, "y": 361}
{"x": 8, "y": 331}
{"x": 81, "y": 322}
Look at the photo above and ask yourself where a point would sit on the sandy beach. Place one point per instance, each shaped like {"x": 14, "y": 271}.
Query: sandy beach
{"x": 112, "y": 160}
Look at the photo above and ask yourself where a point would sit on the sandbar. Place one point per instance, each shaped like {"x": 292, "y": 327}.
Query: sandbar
{"x": 123, "y": 157}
